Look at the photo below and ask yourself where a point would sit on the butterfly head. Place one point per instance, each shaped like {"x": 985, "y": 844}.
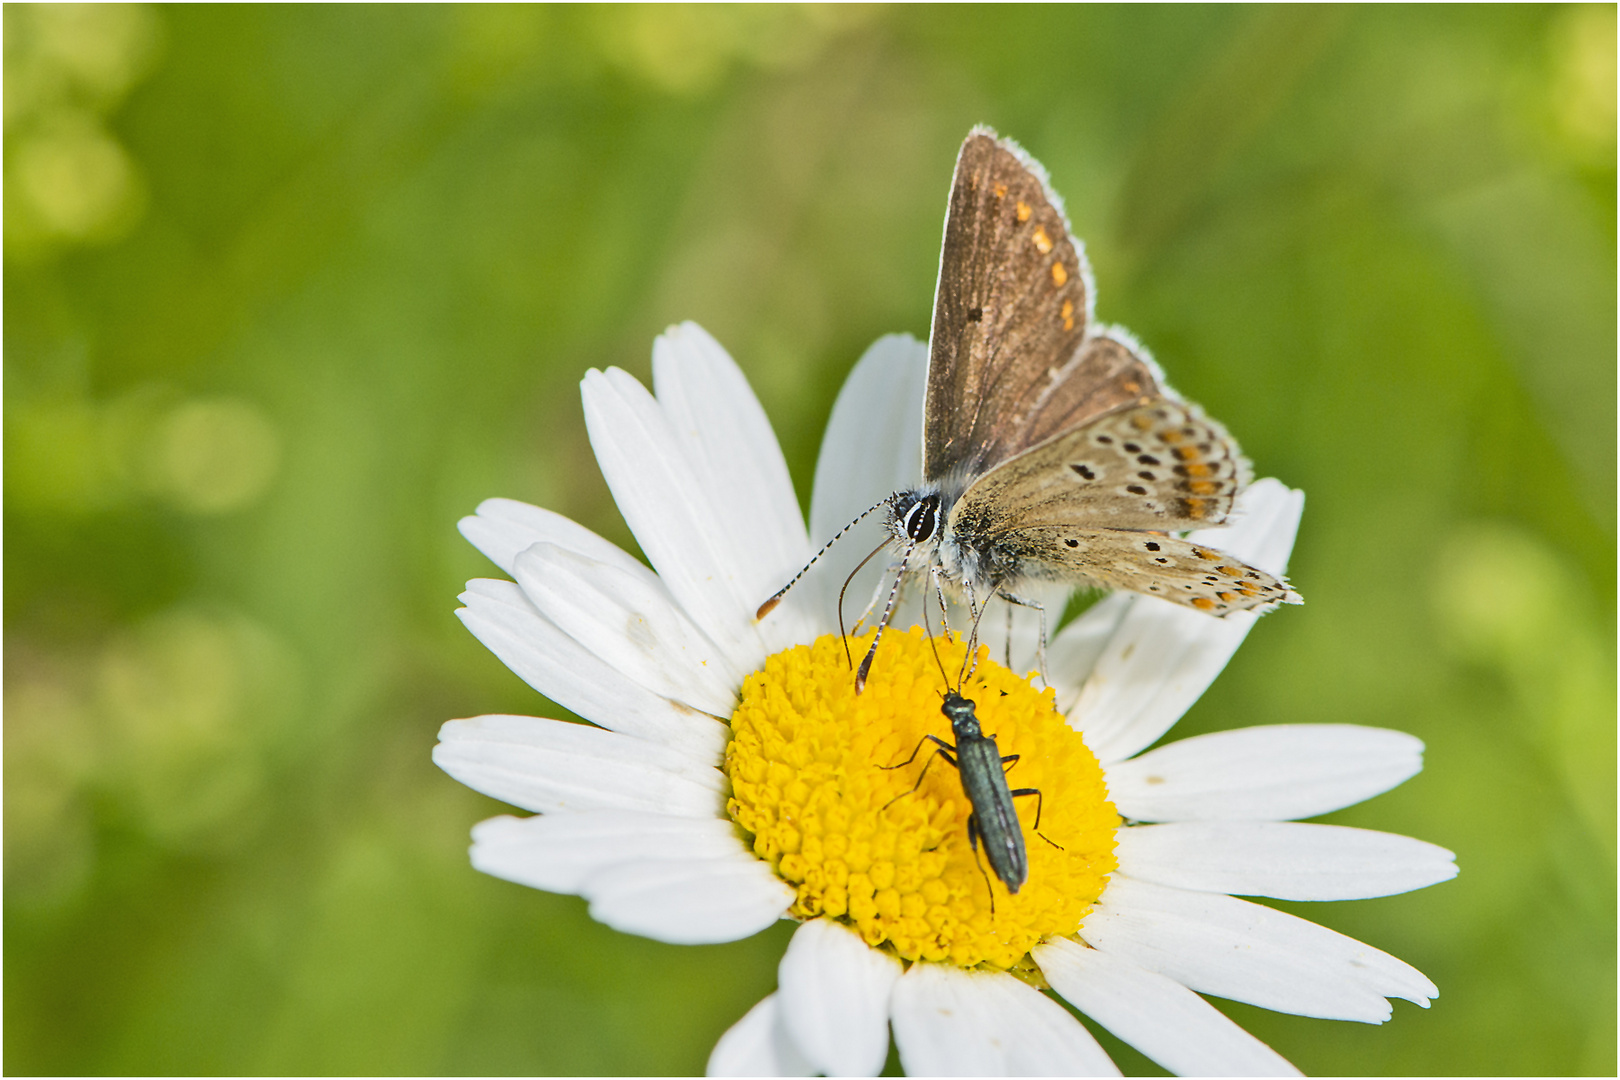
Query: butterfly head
{"x": 914, "y": 517}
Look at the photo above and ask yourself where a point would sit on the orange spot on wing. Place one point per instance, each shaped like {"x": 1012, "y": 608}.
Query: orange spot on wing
{"x": 1186, "y": 453}
{"x": 1200, "y": 469}
{"x": 1043, "y": 243}
{"x": 1203, "y": 553}
{"x": 1059, "y": 274}
{"x": 1229, "y": 571}
{"x": 1226, "y": 596}
{"x": 1203, "y": 603}
{"x": 1203, "y": 487}
{"x": 1132, "y": 387}
{"x": 1000, "y": 190}
{"x": 1068, "y": 315}
{"x": 1141, "y": 423}
{"x": 1170, "y": 435}
{"x": 1023, "y": 210}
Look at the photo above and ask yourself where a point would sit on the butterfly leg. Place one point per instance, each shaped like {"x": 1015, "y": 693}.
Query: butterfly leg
{"x": 871, "y": 605}
{"x": 1040, "y": 640}
{"x": 938, "y": 579}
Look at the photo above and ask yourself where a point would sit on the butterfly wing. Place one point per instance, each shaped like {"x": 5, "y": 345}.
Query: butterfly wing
{"x": 1158, "y": 465}
{"x": 1076, "y": 462}
{"x": 1106, "y": 374}
{"x": 1177, "y": 570}
{"x": 1010, "y": 310}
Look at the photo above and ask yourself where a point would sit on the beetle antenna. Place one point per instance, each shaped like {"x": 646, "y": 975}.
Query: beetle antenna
{"x": 934, "y": 645}
{"x": 970, "y": 662}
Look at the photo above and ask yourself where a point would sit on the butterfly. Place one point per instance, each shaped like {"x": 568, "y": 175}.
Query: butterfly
{"x": 1053, "y": 452}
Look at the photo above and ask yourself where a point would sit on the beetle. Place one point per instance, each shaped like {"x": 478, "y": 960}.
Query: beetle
{"x": 983, "y": 770}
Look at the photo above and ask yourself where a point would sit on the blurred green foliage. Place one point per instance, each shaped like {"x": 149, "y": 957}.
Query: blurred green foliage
{"x": 288, "y": 290}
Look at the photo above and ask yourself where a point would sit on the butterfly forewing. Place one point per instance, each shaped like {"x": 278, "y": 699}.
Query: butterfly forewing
{"x": 1009, "y": 313}
{"x": 1189, "y": 574}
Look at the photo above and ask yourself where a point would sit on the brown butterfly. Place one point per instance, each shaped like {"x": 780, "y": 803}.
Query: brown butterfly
{"x": 1052, "y": 450}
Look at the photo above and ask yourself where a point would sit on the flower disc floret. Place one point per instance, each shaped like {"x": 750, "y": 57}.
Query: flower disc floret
{"x": 818, "y": 783}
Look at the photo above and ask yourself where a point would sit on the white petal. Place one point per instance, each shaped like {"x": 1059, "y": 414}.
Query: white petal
{"x": 557, "y": 852}
{"x": 835, "y": 998}
{"x": 872, "y": 448}
{"x": 1240, "y": 950}
{"x": 1286, "y": 860}
{"x": 873, "y": 443}
{"x": 550, "y": 766}
{"x": 1074, "y": 653}
{"x": 1271, "y": 773}
{"x": 630, "y": 621}
{"x": 502, "y": 528}
{"x": 757, "y": 1045}
{"x": 668, "y": 508}
{"x": 734, "y": 453}
{"x": 1163, "y": 657}
{"x": 689, "y": 902}
{"x": 950, "y": 1022}
{"x": 500, "y": 616}
{"x": 1163, "y": 1019}
{"x": 1156, "y": 664}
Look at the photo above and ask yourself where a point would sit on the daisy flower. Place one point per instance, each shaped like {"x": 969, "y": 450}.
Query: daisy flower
{"x": 734, "y": 778}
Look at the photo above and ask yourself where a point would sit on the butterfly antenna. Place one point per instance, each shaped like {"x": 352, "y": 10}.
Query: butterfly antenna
{"x": 883, "y": 623}
{"x": 845, "y": 588}
{"x": 770, "y": 605}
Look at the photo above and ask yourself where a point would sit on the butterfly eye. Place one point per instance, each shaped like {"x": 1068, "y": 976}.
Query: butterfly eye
{"x": 922, "y": 518}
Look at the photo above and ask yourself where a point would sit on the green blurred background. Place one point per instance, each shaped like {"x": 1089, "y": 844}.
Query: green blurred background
{"x": 289, "y": 290}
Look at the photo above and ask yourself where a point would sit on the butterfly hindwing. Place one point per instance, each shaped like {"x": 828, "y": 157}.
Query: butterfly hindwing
{"x": 1106, "y": 374}
{"x": 1159, "y": 465}
{"x": 1183, "y": 572}
{"x": 1183, "y": 467}
{"x": 1010, "y": 310}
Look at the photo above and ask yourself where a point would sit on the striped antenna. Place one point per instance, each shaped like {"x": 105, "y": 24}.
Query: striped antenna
{"x": 883, "y": 623}
{"x": 770, "y": 605}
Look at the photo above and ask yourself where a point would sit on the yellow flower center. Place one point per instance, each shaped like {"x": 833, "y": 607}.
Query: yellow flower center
{"x": 814, "y": 781}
